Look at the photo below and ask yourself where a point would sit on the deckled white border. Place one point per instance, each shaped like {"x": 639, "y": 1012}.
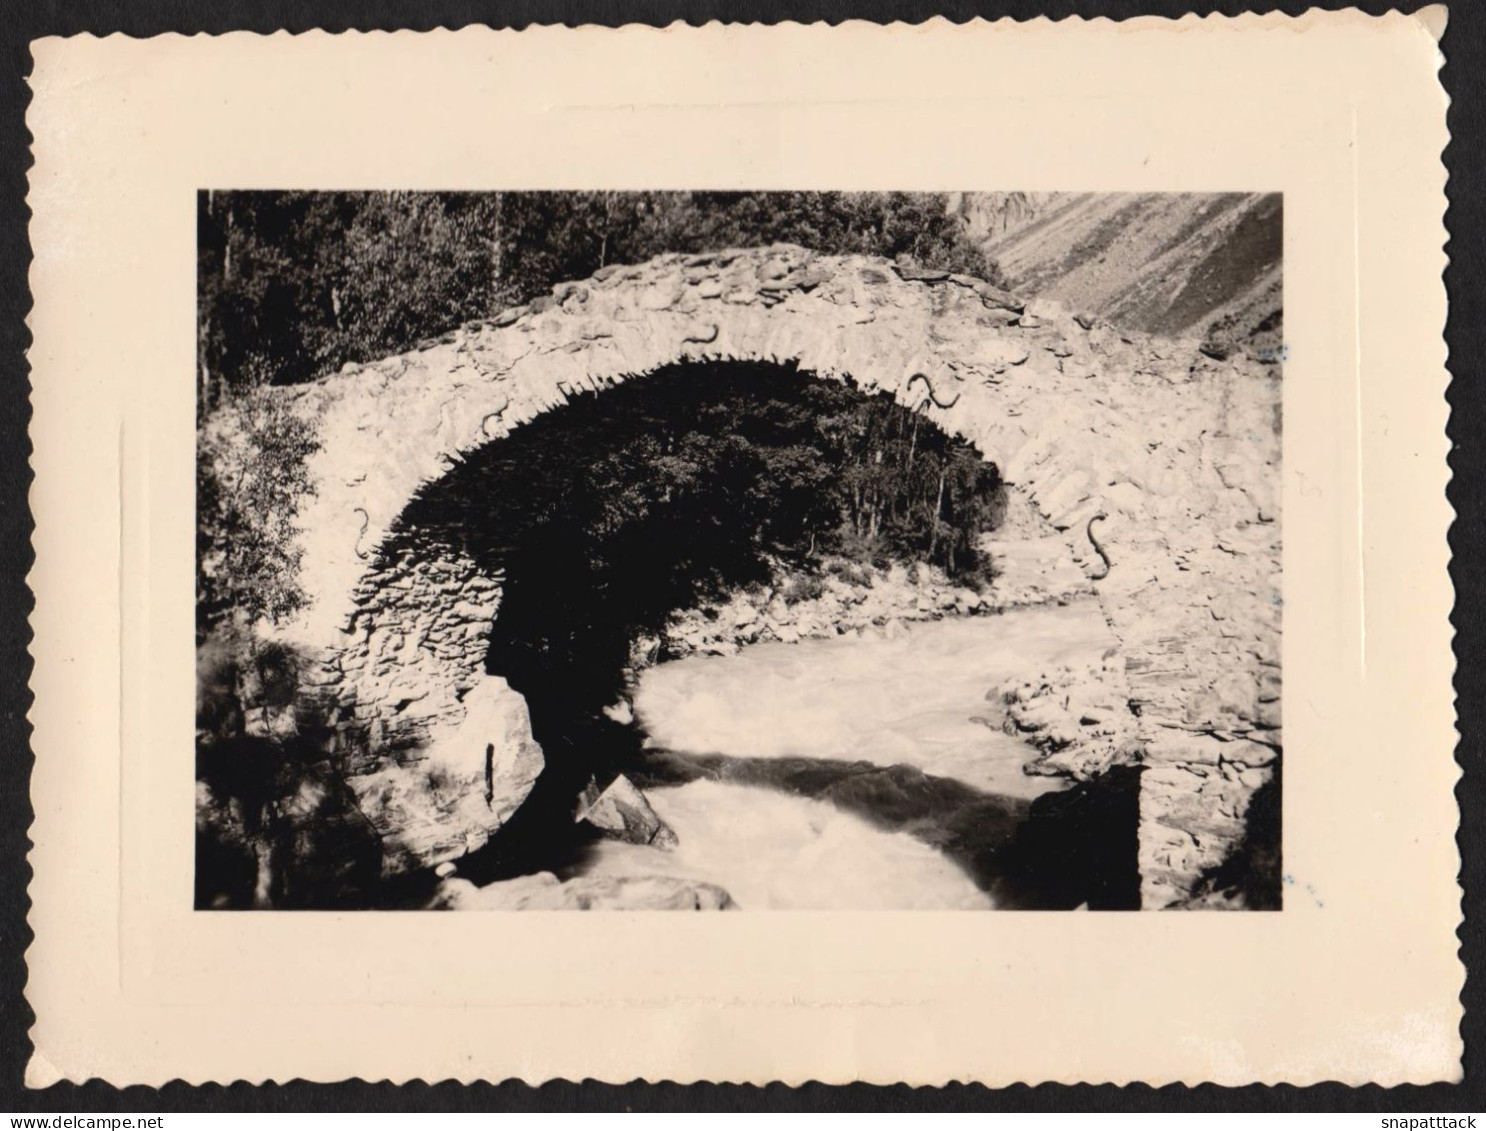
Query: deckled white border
{"x": 1341, "y": 112}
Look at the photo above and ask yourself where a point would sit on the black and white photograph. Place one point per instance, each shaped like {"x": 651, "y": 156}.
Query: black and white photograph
{"x": 738, "y": 550}
{"x": 905, "y": 478}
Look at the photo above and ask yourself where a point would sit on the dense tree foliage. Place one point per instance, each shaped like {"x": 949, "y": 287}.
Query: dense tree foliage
{"x": 294, "y": 284}
{"x": 704, "y": 469}
{"x": 250, "y": 480}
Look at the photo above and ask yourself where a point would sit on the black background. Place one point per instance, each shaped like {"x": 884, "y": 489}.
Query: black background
{"x": 20, "y": 22}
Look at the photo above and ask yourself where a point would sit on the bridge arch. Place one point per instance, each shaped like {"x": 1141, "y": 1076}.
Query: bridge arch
{"x": 934, "y": 341}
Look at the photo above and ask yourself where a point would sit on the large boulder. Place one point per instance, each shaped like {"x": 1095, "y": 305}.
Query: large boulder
{"x": 621, "y": 812}
{"x": 446, "y": 799}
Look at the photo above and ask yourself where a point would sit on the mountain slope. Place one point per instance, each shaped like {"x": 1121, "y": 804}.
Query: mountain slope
{"x": 1176, "y": 264}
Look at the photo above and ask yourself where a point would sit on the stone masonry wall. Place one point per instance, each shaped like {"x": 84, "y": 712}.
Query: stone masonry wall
{"x": 416, "y": 643}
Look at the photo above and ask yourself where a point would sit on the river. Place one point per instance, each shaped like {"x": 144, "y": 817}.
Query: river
{"x": 858, "y": 773}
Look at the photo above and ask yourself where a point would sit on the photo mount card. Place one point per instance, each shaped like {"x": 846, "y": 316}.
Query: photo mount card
{"x": 850, "y": 510}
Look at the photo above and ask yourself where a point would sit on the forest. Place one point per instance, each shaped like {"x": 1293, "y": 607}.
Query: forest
{"x": 293, "y": 285}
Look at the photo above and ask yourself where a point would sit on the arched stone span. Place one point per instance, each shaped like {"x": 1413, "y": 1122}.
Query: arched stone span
{"x": 418, "y": 633}
{"x": 388, "y": 428}
{"x": 1180, "y": 451}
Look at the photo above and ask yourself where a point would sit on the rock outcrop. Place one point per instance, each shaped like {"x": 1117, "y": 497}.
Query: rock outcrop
{"x": 445, "y": 798}
{"x": 1078, "y": 718}
{"x": 545, "y": 892}
{"x": 1179, "y": 449}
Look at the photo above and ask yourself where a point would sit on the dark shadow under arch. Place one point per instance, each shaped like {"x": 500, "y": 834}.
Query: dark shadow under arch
{"x": 604, "y": 517}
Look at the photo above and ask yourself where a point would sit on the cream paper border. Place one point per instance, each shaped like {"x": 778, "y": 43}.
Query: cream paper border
{"x": 1356, "y": 980}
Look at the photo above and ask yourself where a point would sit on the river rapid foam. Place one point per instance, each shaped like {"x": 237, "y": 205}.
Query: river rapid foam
{"x": 781, "y": 801}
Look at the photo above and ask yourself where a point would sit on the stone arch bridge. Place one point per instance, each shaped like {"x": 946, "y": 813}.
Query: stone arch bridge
{"x": 1178, "y": 450}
